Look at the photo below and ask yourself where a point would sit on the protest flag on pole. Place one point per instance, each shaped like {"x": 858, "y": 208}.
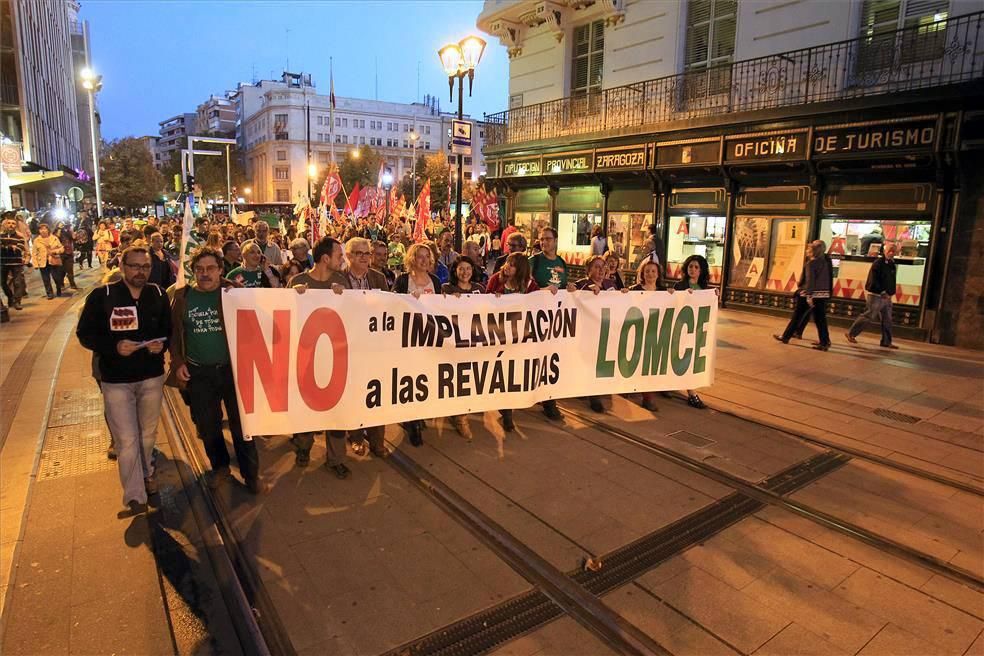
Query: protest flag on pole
{"x": 423, "y": 211}
{"x": 188, "y": 244}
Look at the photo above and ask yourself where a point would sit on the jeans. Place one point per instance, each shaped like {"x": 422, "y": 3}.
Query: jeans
{"x": 47, "y": 273}
{"x": 132, "y": 411}
{"x": 85, "y": 254}
{"x": 879, "y": 308}
{"x": 12, "y": 282}
{"x": 211, "y": 387}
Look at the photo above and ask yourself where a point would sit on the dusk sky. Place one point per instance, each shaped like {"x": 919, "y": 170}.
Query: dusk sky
{"x": 161, "y": 58}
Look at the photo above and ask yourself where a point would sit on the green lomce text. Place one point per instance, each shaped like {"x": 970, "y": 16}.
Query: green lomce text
{"x": 647, "y": 345}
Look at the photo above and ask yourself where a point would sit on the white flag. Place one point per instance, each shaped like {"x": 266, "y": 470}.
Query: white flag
{"x": 188, "y": 244}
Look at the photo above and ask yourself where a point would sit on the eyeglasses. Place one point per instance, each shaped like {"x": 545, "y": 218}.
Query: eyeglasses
{"x": 360, "y": 253}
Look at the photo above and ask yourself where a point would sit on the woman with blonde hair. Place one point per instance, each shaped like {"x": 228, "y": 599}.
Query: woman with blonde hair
{"x": 648, "y": 280}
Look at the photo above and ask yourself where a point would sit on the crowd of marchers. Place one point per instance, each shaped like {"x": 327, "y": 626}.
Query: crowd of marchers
{"x": 146, "y": 333}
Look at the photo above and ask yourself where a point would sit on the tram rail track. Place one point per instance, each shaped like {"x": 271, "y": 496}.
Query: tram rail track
{"x": 768, "y": 497}
{"x": 862, "y": 454}
{"x": 255, "y": 620}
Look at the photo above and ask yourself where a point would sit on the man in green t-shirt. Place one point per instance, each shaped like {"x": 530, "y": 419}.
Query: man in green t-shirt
{"x": 252, "y": 273}
{"x": 548, "y": 268}
{"x": 200, "y": 358}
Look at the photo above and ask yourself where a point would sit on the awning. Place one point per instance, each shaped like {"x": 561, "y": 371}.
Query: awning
{"x": 45, "y": 182}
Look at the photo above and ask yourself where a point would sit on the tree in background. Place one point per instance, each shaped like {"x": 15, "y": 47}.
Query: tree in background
{"x": 434, "y": 168}
{"x": 363, "y": 169}
{"x": 210, "y": 171}
{"x": 129, "y": 178}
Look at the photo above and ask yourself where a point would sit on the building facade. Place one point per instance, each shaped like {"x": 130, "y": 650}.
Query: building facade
{"x": 173, "y": 136}
{"x": 748, "y": 129}
{"x": 216, "y": 116}
{"x": 38, "y": 110}
{"x": 274, "y": 132}
{"x": 79, "y": 31}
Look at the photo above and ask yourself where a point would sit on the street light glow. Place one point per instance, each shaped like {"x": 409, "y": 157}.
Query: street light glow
{"x": 387, "y": 179}
{"x": 356, "y": 154}
{"x": 87, "y": 74}
{"x": 248, "y": 190}
{"x": 414, "y": 136}
{"x": 450, "y": 58}
{"x": 312, "y": 170}
{"x": 472, "y": 48}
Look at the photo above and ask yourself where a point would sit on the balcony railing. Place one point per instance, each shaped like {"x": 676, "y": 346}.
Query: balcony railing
{"x": 931, "y": 55}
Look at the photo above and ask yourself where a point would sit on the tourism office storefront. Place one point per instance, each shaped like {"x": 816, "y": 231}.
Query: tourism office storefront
{"x": 750, "y": 197}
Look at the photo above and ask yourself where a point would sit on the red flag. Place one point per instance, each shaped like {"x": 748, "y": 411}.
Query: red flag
{"x": 423, "y": 211}
{"x": 333, "y": 185}
{"x": 353, "y": 200}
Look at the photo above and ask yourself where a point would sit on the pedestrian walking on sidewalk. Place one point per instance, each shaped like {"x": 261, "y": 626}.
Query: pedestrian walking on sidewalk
{"x": 47, "y": 259}
{"x": 878, "y": 292}
{"x": 817, "y": 288}
{"x": 200, "y": 360}
{"x": 126, "y": 325}
{"x": 67, "y": 239}
{"x": 13, "y": 251}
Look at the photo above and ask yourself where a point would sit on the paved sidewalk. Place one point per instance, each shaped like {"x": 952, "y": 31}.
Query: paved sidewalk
{"x": 80, "y": 575}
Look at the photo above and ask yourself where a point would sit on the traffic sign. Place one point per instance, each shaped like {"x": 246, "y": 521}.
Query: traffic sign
{"x": 75, "y": 194}
{"x": 461, "y": 137}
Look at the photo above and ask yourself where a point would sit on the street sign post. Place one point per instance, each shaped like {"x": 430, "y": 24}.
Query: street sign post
{"x": 461, "y": 137}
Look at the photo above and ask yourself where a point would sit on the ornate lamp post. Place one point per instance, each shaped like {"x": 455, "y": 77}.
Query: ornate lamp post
{"x": 459, "y": 61}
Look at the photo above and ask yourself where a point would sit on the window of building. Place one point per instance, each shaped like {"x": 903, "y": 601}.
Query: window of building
{"x": 468, "y": 175}
{"x": 406, "y": 127}
{"x": 452, "y": 159}
{"x": 344, "y": 138}
{"x": 280, "y": 118}
{"x": 338, "y": 138}
{"x": 407, "y": 162}
{"x": 362, "y": 123}
{"x": 853, "y": 244}
{"x": 481, "y": 134}
{"x": 468, "y": 161}
{"x": 338, "y": 122}
{"x": 283, "y": 195}
{"x": 589, "y": 58}
{"x": 711, "y": 27}
{"x": 692, "y": 234}
{"x": 281, "y": 155}
{"x": 344, "y": 122}
{"x": 281, "y": 173}
{"x": 881, "y": 18}
{"x": 321, "y": 120}
{"x": 427, "y": 130}
{"x": 323, "y": 158}
{"x": 427, "y": 146}
{"x": 362, "y": 141}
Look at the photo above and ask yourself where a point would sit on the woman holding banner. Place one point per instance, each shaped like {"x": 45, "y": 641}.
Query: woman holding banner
{"x": 648, "y": 280}
{"x": 462, "y": 274}
{"x": 515, "y": 277}
{"x": 597, "y": 281}
{"x": 417, "y": 281}
{"x": 696, "y": 276}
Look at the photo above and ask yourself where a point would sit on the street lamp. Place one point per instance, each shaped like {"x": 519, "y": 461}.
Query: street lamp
{"x": 459, "y": 61}
{"x": 356, "y": 154}
{"x": 387, "y": 185}
{"x": 92, "y": 83}
{"x": 414, "y": 137}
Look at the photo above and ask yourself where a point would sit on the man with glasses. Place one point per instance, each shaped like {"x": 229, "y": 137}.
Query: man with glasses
{"x": 126, "y": 324}
{"x": 200, "y": 359}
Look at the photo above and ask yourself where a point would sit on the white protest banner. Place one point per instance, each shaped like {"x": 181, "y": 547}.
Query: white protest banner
{"x": 306, "y": 362}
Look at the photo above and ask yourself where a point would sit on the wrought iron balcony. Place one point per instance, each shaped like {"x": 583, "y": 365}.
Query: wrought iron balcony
{"x": 936, "y": 54}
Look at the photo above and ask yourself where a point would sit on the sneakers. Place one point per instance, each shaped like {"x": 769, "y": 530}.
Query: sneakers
{"x": 379, "y": 452}
{"x": 150, "y": 484}
{"x": 596, "y": 405}
{"x": 414, "y": 433}
{"x": 302, "y": 459}
{"x": 461, "y": 425}
{"x": 551, "y": 411}
{"x": 694, "y": 402}
{"x": 341, "y": 471}
{"x": 216, "y": 479}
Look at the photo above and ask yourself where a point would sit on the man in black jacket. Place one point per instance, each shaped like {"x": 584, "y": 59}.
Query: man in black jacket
{"x": 878, "y": 292}
{"x": 127, "y": 324}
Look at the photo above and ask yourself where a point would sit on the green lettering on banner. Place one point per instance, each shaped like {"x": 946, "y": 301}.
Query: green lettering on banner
{"x": 604, "y": 368}
{"x": 657, "y": 351}
{"x": 700, "y": 339}
{"x": 686, "y": 318}
{"x": 627, "y": 364}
